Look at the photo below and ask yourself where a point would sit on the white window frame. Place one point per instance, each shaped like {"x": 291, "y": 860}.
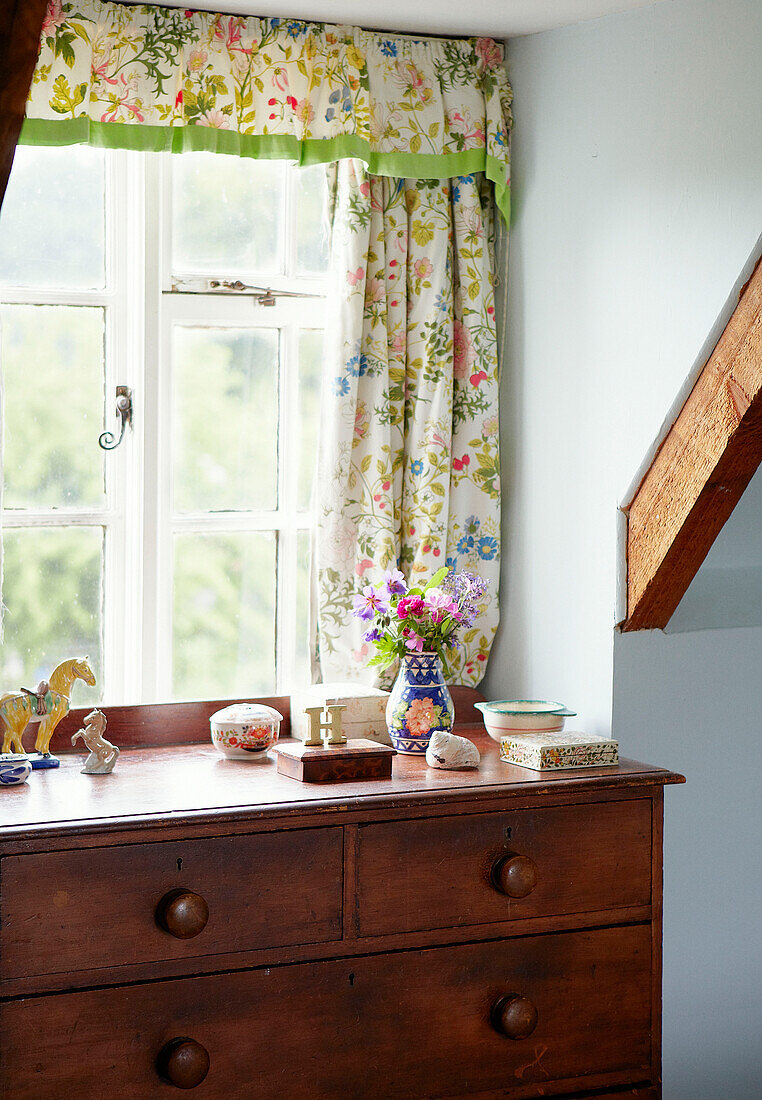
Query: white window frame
{"x": 141, "y": 307}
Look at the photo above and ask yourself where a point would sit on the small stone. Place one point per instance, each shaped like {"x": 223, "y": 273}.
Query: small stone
{"x": 448, "y": 751}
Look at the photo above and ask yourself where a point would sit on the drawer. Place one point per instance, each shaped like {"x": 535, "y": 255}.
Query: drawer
{"x": 102, "y": 907}
{"x": 446, "y": 872}
{"x": 410, "y": 1024}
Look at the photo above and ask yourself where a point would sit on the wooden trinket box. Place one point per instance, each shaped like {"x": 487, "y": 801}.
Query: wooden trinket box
{"x": 357, "y": 759}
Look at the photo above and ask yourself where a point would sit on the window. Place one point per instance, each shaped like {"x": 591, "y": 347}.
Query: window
{"x": 177, "y": 561}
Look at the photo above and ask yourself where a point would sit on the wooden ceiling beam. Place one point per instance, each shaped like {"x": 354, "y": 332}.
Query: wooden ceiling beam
{"x": 700, "y": 471}
{"x": 20, "y": 28}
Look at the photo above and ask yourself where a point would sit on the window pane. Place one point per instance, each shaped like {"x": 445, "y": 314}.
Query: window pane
{"x": 52, "y": 222}
{"x": 224, "y": 615}
{"x": 310, "y": 367}
{"x": 52, "y": 585}
{"x": 311, "y": 240}
{"x": 227, "y": 214}
{"x": 225, "y": 384}
{"x": 302, "y": 656}
{"x": 54, "y": 402}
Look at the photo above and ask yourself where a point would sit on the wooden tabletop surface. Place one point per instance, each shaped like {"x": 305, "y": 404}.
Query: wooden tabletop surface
{"x": 193, "y": 782}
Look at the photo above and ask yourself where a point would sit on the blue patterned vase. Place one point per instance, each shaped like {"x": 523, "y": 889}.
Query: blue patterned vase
{"x": 419, "y": 705}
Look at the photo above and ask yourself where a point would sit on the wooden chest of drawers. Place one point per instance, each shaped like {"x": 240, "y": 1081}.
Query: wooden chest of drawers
{"x": 198, "y": 923}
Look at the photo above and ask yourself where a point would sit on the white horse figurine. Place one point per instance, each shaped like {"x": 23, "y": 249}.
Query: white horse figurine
{"x": 102, "y": 753}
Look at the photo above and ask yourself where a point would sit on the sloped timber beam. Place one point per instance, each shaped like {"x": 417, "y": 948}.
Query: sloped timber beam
{"x": 701, "y": 470}
{"x": 20, "y": 27}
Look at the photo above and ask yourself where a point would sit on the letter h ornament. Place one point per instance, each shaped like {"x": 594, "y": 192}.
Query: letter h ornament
{"x": 332, "y": 726}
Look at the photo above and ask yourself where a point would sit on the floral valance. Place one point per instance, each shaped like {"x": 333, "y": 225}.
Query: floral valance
{"x": 156, "y": 78}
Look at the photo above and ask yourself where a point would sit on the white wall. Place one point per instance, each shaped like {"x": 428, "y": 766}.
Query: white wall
{"x": 638, "y": 199}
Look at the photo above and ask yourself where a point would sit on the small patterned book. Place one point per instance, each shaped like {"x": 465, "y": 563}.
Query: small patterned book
{"x": 551, "y": 751}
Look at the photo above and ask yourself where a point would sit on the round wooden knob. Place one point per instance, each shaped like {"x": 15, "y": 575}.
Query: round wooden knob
{"x": 182, "y": 913}
{"x": 515, "y": 876}
{"x": 514, "y": 1016}
{"x": 183, "y": 1062}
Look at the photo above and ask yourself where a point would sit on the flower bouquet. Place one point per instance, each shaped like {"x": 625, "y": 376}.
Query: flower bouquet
{"x": 417, "y": 626}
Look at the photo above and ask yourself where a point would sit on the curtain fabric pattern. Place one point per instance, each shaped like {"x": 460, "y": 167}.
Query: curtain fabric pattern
{"x": 409, "y": 471}
{"x": 154, "y": 78}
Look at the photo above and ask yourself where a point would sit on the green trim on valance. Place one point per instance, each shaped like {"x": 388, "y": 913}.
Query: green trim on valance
{"x": 164, "y": 139}
{"x": 168, "y": 79}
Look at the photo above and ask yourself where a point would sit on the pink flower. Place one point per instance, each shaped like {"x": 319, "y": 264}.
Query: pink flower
{"x": 355, "y": 277}
{"x": 423, "y": 267}
{"x": 374, "y": 290}
{"x": 361, "y": 421}
{"x": 304, "y": 111}
{"x": 365, "y": 188}
{"x": 101, "y": 61}
{"x": 231, "y": 33}
{"x": 197, "y": 58}
{"x": 410, "y": 79}
{"x": 54, "y": 17}
{"x": 363, "y": 566}
{"x": 462, "y": 349}
{"x": 414, "y": 642}
{"x": 440, "y": 604}
{"x": 489, "y": 52}
{"x": 214, "y": 118}
{"x": 420, "y": 717}
{"x": 410, "y": 605}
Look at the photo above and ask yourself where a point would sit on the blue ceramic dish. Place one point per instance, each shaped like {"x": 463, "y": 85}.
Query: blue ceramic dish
{"x": 14, "y": 769}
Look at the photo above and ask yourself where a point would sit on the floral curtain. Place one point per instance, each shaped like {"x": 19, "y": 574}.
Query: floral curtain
{"x": 409, "y": 470}
{"x": 154, "y": 78}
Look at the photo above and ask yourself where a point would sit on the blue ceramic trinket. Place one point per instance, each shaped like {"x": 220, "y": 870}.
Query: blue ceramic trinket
{"x": 15, "y": 769}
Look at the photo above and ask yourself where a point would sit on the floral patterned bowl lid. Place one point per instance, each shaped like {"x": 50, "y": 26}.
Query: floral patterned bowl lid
{"x": 245, "y": 714}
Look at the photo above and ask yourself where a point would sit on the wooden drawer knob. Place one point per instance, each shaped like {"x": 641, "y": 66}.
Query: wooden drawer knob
{"x": 514, "y": 875}
{"x": 514, "y": 1016}
{"x": 182, "y": 913}
{"x": 183, "y": 1062}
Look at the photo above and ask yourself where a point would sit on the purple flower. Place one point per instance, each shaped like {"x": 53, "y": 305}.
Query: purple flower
{"x": 371, "y": 601}
{"x": 372, "y": 635}
{"x": 467, "y": 590}
{"x": 395, "y": 583}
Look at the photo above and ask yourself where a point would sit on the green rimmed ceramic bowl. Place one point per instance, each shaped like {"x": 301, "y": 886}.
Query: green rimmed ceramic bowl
{"x": 505, "y": 717}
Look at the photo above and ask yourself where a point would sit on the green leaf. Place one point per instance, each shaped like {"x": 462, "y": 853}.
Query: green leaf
{"x": 365, "y": 464}
{"x": 438, "y": 577}
{"x": 67, "y": 53}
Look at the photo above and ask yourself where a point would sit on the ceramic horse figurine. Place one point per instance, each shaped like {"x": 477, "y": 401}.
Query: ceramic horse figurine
{"x": 20, "y": 709}
{"x": 103, "y": 755}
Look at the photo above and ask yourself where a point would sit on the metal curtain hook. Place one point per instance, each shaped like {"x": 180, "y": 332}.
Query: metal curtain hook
{"x": 107, "y": 440}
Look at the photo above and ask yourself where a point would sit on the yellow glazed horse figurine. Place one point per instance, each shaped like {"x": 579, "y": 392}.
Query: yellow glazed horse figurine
{"x": 19, "y": 709}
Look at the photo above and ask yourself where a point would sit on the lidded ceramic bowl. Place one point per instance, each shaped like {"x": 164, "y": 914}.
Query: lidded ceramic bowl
{"x": 507, "y": 717}
{"x": 15, "y": 769}
{"x": 245, "y": 731}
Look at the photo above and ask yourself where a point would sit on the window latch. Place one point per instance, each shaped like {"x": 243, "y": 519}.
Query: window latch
{"x": 107, "y": 440}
